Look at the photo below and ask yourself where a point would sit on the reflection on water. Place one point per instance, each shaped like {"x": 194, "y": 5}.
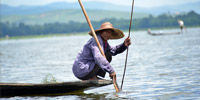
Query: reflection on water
{"x": 161, "y": 67}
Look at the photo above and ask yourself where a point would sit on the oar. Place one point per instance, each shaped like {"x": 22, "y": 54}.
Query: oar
{"x": 97, "y": 41}
{"x": 127, "y": 47}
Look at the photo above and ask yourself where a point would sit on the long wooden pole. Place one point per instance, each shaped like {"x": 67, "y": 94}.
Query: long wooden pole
{"x": 127, "y": 47}
{"x": 97, "y": 41}
{"x": 91, "y": 27}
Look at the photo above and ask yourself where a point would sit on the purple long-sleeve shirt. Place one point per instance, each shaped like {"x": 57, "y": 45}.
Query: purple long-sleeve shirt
{"x": 91, "y": 55}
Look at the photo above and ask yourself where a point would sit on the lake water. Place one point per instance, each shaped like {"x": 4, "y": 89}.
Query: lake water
{"x": 158, "y": 67}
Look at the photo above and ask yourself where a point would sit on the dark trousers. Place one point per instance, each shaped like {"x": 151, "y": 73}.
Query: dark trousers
{"x": 97, "y": 71}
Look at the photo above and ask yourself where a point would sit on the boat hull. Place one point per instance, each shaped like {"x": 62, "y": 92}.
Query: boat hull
{"x": 23, "y": 89}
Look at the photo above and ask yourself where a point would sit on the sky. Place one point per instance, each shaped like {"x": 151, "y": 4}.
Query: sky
{"x": 138, "y": 3}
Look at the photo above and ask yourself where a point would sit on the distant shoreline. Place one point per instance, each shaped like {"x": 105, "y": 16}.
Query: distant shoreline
{"x": 79, "y": 33}
{"x": 41, "y": 36}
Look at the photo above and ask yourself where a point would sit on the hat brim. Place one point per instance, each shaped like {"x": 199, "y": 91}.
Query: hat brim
{"x": 117, "y": 34}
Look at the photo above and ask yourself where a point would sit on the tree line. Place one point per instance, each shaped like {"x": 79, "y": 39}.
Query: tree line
{"x": 161, "y": 21}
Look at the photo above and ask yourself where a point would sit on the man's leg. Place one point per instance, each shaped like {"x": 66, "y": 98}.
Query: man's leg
{"x": 101, "y": 72}
{"x": 97, "y": 71}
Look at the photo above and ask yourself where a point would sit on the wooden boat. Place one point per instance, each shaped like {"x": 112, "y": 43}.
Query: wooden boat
{"x": 161, "y": 33}
{"x": 28, "y": 89}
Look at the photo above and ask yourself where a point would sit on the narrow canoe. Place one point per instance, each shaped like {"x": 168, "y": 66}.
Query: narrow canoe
{"x": 29, "y": 89}
{"x": 161, "y": 33}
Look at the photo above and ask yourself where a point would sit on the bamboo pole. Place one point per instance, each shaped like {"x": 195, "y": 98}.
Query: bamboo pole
{"x": 97, "y": 41}
{"x": 91, "y": 28}
{"x": 128, "y": 47}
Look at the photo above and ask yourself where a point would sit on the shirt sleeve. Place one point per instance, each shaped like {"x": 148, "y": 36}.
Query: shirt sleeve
{"x": 100, "y": 59}
{"x": 117, "y": 49}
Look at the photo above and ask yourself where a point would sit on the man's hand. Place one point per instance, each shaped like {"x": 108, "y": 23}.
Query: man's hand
{"x": 127, "y": 41}
{"x": 113, "y": 74}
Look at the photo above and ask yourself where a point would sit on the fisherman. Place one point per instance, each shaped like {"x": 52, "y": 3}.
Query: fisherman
{"x": 181, "y": 24}
{"x": 90, "y": 63}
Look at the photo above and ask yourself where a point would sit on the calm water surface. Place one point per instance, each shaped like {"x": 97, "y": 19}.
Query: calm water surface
{"x": 159, "y": 67}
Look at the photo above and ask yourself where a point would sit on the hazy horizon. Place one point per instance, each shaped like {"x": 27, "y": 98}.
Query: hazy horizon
{"x": 139, "y": 3}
